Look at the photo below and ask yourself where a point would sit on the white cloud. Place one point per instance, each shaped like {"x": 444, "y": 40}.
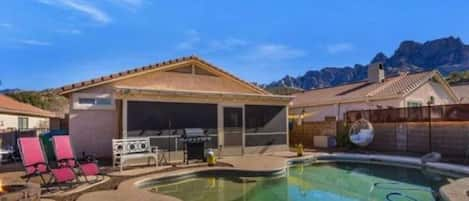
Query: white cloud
{"x": 274, "y": 52}
{"x": 191, "y": 41}
{"x": 6, "y": 25}
{"x": 69, "y": 31}
{"x": 339, "y": 47}
{"x": 82, "y": 7}
{"x": 227, "y": 44}
{"x": 34, "y": 42}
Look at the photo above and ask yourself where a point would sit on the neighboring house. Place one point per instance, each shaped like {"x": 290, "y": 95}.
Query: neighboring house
{"x": 161, "y": 100}
{"x": 15, "y": 115}
{"x": 462, "y": 91}
{"x": 404, "y": 90}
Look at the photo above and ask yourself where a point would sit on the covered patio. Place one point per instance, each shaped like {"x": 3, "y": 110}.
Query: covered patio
{"x": 237, "y": 123}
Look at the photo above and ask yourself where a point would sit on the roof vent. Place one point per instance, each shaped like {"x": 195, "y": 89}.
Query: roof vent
{"x": 376, "y": 72}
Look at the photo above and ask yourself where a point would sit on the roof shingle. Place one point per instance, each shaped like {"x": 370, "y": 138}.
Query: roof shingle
{"x": 392, "y": 87}
{"x": 11, "y": 106}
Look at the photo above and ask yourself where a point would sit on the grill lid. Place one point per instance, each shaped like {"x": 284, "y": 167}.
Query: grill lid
{"x": 194, "y": 132}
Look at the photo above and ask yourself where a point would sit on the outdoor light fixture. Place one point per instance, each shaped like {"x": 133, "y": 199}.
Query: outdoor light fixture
{"x": 301, "y": 117}
{"x": 431, "y": 101}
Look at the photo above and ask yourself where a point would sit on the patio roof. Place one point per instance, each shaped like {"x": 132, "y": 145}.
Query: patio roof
{"x": 124, "y": 90}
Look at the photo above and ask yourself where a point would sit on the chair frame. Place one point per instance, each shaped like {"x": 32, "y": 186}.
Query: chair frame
{"x": 64, "y": 162}
{"x": 37, "y": 172}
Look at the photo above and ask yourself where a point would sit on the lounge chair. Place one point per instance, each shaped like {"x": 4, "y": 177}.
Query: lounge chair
{"x": 66, "y": 158}
{"x": 35, "y": 163}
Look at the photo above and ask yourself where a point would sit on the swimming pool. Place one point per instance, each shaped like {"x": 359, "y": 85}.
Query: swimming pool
{"x": 337, "y": 181}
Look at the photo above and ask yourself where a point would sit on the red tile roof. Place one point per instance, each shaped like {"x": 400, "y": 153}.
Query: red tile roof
{"x": 11, "y": 106}
{"x": 96, "y": 81}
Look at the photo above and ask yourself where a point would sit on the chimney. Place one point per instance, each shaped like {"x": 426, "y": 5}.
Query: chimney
{"x": 376, "y": 72}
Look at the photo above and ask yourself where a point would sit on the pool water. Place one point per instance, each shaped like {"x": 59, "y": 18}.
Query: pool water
{"x": 318, "y": 182}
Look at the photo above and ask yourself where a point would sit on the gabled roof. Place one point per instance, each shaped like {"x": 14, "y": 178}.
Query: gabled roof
{"x": 392, "y": 87}
{"x": 150, "y": 68}
{"x": 10, "y": 106}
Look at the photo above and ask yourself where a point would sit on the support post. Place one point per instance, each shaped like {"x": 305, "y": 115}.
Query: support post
{"x": 124, "y": 118}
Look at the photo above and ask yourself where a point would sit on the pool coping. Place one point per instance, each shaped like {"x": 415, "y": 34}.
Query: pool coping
{"x": 132, "y": 189}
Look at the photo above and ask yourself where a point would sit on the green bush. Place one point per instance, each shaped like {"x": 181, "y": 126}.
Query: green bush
{"x": 343, "y": 139}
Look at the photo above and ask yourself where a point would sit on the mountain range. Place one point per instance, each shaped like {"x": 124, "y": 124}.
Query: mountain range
{"x": 447, "y": 55}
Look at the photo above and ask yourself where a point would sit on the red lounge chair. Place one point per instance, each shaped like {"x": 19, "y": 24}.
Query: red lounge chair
{"x": 66, "y": 158}
{"x": 35, "y": 163}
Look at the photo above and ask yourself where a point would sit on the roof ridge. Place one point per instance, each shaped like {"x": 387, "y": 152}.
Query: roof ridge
{"x": 83, "y": 84}
{"x": 386, "y": 84}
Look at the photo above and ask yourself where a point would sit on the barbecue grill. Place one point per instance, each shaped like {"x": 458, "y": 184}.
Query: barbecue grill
{"x": 195, "y": 142}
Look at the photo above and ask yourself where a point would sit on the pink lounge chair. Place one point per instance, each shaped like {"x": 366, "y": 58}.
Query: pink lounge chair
{"x": 66, "y": 157}
{"x": 35, "y": 163}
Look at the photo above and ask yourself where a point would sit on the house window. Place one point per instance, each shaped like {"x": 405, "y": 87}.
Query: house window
{"x": 85, "y": 101}
{"x": 93, "y": 101}
{"x": 23, "y": 123}
{"x": 414, "y": 104}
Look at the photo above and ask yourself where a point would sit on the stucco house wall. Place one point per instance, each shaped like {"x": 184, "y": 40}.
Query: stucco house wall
{"x": 427, "y": 90}
{"x": 10, "y": 121}
{"x": 319, "y": 113}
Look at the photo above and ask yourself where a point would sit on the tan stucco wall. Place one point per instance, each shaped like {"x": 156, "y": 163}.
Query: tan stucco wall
{"x": 430, "y": 88}
{"x": 319, "y": 113}
{"x": 182, "y": 81}
{"x": 9, "y": 121}
{"x": 92, "y": 131}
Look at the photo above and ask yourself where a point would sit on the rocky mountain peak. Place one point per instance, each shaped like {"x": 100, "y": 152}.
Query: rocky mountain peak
{"x": 445, "y": 54}
{"x": 380, "y": 57}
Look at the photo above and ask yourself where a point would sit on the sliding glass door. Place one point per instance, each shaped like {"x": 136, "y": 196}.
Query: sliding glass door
{"x": 233, "y": 130}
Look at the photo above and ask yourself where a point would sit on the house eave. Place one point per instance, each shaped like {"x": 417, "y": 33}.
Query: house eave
{"x": 124, "y": 91}
{"x": 25, "y": 113}
{"x": 351, "y": 100}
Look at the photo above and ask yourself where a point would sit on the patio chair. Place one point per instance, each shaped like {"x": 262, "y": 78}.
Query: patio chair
{"x": 66, "y": 158}
{"x": 35, "y": 163}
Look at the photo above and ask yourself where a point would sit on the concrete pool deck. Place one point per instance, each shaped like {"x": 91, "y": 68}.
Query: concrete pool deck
{"x": 270, "y": 163}
{"x": 267, "y": 164}
{"x": 127, "y": 190}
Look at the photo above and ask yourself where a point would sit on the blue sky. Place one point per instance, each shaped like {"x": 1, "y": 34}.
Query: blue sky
{"x": 49, "y": 43}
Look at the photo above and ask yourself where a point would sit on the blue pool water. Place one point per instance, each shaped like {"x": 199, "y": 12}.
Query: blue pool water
{"x": 338, "y": 181}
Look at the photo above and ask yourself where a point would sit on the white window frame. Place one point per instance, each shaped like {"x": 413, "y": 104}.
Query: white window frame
{"x": 24, "y": 127}
{"x": 414, "y": 101}
{"x": 78, "y": 106}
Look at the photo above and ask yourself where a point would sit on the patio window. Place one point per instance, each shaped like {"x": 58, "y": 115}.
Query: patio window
{"x": 164, "y": 122}
{"x": 265, "y": 125}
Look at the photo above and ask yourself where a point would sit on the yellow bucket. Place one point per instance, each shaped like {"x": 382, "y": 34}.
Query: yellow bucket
{"x": 211, "y": 159}
{"x": 299, "y": 150}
